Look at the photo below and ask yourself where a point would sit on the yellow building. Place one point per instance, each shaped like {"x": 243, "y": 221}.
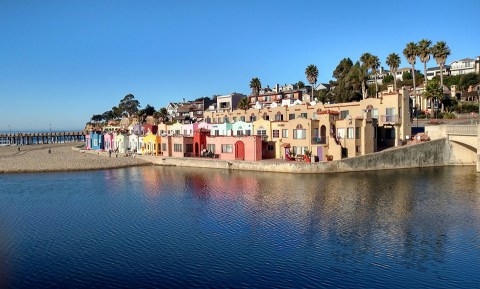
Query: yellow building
{"x": 151, "y": 144}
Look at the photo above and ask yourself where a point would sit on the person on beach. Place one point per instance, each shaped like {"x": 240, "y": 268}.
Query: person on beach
{"x": 110, "y": 152}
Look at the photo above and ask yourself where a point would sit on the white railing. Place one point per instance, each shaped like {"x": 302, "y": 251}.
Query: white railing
{"x": 462, "y": 129}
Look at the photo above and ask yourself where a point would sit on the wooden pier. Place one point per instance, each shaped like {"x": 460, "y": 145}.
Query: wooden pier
{"x": 40, "y": 138}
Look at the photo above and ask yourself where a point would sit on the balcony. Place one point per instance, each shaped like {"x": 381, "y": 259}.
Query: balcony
{"x": 390, "y": 119}
{"x": 319, "y": 140}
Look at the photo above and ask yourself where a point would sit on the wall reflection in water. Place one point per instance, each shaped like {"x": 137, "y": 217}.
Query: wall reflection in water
{"x": 405, "y": 216}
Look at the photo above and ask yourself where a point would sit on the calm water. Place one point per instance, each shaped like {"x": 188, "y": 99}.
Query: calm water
{"x": 154, "y": 227}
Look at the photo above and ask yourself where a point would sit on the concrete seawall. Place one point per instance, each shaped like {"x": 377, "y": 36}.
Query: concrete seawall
{"x": 428, "y": 154}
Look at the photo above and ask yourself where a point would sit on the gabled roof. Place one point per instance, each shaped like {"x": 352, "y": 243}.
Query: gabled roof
{"x": 184, "y": 108}
{"x": 321, "y": 85}
{"x": 464, "y": 59}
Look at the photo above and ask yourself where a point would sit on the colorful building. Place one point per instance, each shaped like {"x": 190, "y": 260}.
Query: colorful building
{"x": 151, "y": 144}
{"x": 109, "y": 139}
{"x": 95, "y": 140}
{"x": 121, "y": 141}
{"x": 248, "y": 148}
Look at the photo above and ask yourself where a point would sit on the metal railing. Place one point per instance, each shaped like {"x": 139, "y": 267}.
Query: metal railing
{"x": 319, "y": 140}
{"x": 462, "y": 129}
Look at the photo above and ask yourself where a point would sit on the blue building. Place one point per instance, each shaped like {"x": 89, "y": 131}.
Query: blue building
{"x": 96, "y": 141}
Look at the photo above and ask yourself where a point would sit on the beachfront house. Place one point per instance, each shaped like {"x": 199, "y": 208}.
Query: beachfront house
{"x": 248, "y": 148}
{"x": 189, "y": 128}
{"x": 182, "y": 146}
{"x": 224, "y": 128}
{"x": 95, "y": 139}
{"x": 109, "y": 140}
{"x": 151, "y": 144}
{"x": 121, "y": 141}
{"x": 136, "y": 143}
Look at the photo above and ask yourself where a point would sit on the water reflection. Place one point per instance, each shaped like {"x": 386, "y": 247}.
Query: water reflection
{"x": 185, "y": 227}
{"x": 404, "y": 216}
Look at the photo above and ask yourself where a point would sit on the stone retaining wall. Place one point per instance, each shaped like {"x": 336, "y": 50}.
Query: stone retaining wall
{"x": 432, "y": 153}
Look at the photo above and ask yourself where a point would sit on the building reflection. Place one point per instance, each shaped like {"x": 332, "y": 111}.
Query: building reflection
{"x": 405, "y": 214}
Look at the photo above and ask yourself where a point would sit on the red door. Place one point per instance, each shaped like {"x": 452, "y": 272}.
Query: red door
{"x": 239, "y": 150}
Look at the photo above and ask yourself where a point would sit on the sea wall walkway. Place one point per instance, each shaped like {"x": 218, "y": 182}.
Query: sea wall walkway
{"x": 428, "y": 154}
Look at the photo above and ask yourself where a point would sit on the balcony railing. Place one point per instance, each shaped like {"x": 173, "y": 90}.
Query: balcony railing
{"x": 462, "y": 129}
{"x": 319, "y": 140}
{"x": 390, "y": 118}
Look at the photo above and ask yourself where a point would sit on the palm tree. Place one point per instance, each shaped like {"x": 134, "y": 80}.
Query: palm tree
{"x": 374, "y": 65}
{"x": 411, "y": 52}
{"x": 433, "y": 92}
{"x": 424, "y": 51}
{"x": 393, "y": 61}
{"x": 440, "y": 52}
{"x": 366, "y": 60}
{"x": 255, "y": 85}
{"x": 311, "y": 72}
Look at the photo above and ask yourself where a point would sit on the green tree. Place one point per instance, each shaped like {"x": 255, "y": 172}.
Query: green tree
{"x": 393, "y": 61}
{"x": 255, "y": 85}
{"x": 343, "y": 68}
{"x": 299, "y": 85}
{"x": 149, "y": 110}
{"x": 440, "y": 52}
{"x": 311, "y": 72}
{"x": 97, "y": 118}
{"x": 108, "y": 115}
{"x": 411, "y": 52}
{"x": 424, "y": 51}
{"x": 243, "y": 103}
{"x": 117, "y": 113}
{"x": 407, "y": 75}
{"x": 388, "y": 79}
{"x": 163, "y": 114}
{"x": 129, "y": 105}
{"x": 468, "y": 79}
{"x": 348, "y": 84}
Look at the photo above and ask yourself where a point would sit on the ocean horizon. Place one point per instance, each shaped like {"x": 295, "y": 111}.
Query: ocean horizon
{"x": 39, "y": 130}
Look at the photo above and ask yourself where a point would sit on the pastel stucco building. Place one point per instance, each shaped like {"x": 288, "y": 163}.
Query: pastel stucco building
{"x": 338, "y": 130}
{"x": 94, "y": 140}
{"x": 121, "y": 141}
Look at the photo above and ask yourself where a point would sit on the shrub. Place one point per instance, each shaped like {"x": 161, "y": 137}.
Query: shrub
{"x": 466, "y": 108}
{"x": 449, "y": 115}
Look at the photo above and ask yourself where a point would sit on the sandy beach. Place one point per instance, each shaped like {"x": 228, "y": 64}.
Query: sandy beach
{"x": 63, "y": 157}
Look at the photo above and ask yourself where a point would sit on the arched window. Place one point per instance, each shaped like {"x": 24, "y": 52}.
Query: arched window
{"x": 299, "y": 132}
{"x": 279, "y": 116}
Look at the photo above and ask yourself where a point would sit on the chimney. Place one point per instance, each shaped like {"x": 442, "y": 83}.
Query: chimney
{"x": 277, "y": 88}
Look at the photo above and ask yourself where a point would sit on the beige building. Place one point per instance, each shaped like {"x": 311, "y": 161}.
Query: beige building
{"x": 334, "y": 130}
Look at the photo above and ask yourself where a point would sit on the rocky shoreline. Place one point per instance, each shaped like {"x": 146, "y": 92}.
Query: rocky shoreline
{"x": 62, "y": 157}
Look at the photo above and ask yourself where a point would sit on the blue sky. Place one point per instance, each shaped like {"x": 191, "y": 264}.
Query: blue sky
{"x": 63, "y": 61}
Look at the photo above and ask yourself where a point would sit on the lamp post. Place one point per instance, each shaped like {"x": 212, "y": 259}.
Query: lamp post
{"x": 50, "y": 132}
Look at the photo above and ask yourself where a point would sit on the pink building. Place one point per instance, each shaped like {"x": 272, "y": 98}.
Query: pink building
{"x": 88, "y": 141}
{"x": 205, "y": 125}
{"x": 248, "y": 148}
{"x": 109, "y": 139}
{"x": 182, "y": 146}
{"x": 189, "y": 128}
